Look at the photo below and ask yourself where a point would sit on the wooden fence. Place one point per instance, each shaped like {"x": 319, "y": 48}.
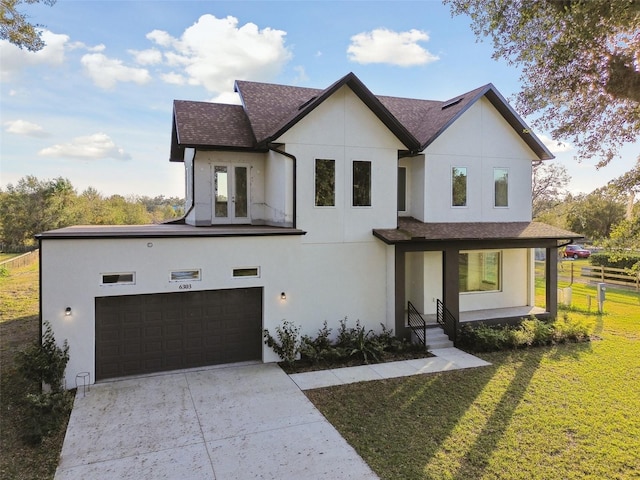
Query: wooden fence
{"x": 595, "y": 274}
{"x": 21, "y": 260}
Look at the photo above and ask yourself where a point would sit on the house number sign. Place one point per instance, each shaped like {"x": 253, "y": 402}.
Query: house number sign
{"x": 184, "y": 286}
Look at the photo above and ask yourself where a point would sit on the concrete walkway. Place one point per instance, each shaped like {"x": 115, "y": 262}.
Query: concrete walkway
{"x": 222, "y": 423}
{"x": 445, "y": 359}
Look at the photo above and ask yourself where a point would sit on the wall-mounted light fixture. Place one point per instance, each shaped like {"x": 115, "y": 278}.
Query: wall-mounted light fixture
{"x": 283, "y": 296}
{"x": 67, "y": 311}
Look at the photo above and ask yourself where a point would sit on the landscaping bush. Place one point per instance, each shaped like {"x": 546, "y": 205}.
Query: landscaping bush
{"x": 530, "y": 332}
{"x": 352, "y": 346}
{"x": 287, "y": 346}
{"x": 45, "y": 363}
{"x": 614, "y": 259}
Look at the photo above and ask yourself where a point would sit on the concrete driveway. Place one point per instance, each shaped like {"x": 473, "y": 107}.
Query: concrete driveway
{"x": 234, "y": 422}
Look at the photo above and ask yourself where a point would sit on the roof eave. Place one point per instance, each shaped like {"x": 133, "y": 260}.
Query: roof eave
{"x": 367, "y": 98}
{"x": 510, "y": 115}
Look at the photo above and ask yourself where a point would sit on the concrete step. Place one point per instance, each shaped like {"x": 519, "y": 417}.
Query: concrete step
{"x": 436, "y": 338}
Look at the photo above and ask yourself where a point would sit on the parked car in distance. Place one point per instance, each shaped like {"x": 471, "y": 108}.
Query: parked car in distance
{"x": 575, "y": 251}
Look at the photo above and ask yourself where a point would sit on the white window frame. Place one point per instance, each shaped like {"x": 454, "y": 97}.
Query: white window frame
{"x": 237, "y": 269}
{"x": 499, "y": 272}
{"x": 353, "y": 183}
{"x": 111, "y": 284}
{"x": 494, "y": 187}
{"x": 197, "y": 278}
{"x": 466, "y": 187}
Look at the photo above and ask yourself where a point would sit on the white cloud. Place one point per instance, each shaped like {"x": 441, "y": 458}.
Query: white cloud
{"x": 91, "y": 147}
{"x": 173, "y": 78}
{"x": 231, "y": 98}
{"x": 151, "y": 56}
{"x": 23, "y": 127}
{"x": 214, "y": 52}
{"x": 106, "y": 72}
{"x": 14, "y": 59}
{"x": 386, "y": 46}
{"x": 301, "y": 76}
{"x": 555, "y": 146}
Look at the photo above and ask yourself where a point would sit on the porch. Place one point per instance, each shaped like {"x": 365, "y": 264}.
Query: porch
{"x": 493, "y": 315}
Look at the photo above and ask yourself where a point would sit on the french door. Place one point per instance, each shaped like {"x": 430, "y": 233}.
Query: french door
{"x": 230, "y": 193}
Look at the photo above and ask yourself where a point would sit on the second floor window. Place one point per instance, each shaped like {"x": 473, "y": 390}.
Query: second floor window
{"x": 361, "y": 184}
{"x": 325, "y": 183}
{"x": 459, "y": 186}
{"x": 501, "y": 186}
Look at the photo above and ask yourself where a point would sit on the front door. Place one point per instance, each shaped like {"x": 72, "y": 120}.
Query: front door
{"x": 230, "y": 193}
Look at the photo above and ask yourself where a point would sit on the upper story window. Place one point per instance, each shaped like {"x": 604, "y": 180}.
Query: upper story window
{"x": 325, "y": 183}
{"x": 361, "y": 183}
{"x": 402, "y": 189}
{"x": 501, "y": 187}
{"x": 459, "y": 187}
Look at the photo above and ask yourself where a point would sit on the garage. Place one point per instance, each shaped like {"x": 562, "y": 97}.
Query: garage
{"x": 139, "y": 334}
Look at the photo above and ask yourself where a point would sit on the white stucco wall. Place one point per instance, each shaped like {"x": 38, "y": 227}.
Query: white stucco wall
{"x": 344, "y": 129}
{"x": 202, "y": 214}
{"x": 479, "y": 140}
{"x": 322, "y": 282}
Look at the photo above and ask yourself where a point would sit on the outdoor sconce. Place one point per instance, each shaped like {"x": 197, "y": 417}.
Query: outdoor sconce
{"x": 67, "y": 312}
{"x": 283, "y": 296}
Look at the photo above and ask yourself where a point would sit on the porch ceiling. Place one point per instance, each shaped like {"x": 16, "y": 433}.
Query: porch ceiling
{"x": 411, "y": 230}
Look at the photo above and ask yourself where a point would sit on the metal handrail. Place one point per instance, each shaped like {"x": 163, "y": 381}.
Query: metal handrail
{"x": 417, "y": 323}
{"x": 448, "y": 322}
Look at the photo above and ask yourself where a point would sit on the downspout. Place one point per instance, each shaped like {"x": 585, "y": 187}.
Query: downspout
{"x": 295, "y": 179}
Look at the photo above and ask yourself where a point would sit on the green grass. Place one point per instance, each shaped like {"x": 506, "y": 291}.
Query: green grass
{"x": 19, "y": 326}
{"x": 567, "y": 412}
{"x": 7, "y": 256}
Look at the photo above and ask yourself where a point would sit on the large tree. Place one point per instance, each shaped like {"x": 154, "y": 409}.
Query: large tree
{"x": 548, "y": 186}
{"x": 580, "y": 63}
{"x": 16, "y": 27}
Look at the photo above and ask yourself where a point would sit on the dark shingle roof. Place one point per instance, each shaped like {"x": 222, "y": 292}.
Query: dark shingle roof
{"x": 269, "y": 106}
{"x": 269, "y": 110}
{"x": 412, "y": 230}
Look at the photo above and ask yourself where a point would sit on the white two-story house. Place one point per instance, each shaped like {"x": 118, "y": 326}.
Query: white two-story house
{"x": 309, "y": 205}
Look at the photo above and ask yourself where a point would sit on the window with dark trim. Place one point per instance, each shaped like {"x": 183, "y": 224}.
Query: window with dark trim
{"x": 459, "y": 186}
{"x": 361, "y": 183}
{"x": 501, "y": 187}
{"x": 325, "y": 183}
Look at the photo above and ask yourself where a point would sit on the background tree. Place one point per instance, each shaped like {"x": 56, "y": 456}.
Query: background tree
{"x": 548, "y": 186}
{"x": 15, "y": 27}
{"x": 33, "y": 206}
{"x": 580, "y": 64}
{"x": 594, "y": 215}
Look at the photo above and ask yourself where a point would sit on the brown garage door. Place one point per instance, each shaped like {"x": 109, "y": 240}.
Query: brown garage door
{"x": 138, "y": 334}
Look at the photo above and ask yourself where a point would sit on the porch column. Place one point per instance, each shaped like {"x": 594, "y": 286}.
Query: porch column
{"x": 450, "y": 280}
{"x": 401, "y": 330}
{"x": 551, "y": 281}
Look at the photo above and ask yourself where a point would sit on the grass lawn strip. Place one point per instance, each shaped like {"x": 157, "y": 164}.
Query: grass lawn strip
{"x": 19, "y": 326}
{"x": 568, "y": 411}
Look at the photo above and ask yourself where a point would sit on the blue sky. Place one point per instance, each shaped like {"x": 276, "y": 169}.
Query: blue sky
{"x": 95, "y": 105}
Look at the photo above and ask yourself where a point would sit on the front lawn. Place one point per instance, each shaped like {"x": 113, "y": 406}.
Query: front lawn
{"x": 568, "y": 411}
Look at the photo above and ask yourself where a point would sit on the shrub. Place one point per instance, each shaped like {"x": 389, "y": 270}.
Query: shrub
{"x": 572, "y": 330}
{"x": 530, "y": 332}
{"x": 45, "y": 362}
{"x": 287, "y": 346}
{"x": 358, "y": 342}
{"x": 615, "y": 259}
{"x": 320, "y": 349}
